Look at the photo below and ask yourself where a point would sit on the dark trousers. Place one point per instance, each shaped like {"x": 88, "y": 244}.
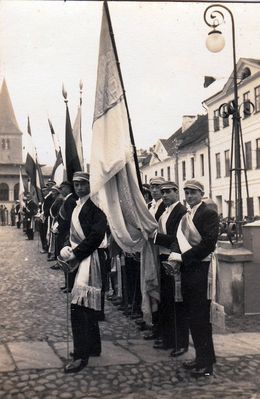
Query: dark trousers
{"x": 105, "y": 269}
{"x": 173, "y": 321}
{"x": 134, "y": 296}
{"x": 30, "y": 234}
{"x": 42, "y": 233}
{"x": 197, "y": 308}
{"x": 85, "y": 331}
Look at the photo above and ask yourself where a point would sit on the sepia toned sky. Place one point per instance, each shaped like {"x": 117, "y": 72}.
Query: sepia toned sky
{"x": 161, "y": 48}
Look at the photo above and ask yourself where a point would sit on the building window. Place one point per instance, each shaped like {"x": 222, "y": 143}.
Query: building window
{"x": 246, "y": 105}
{"x": 183, "y": 170}
{"x": 155, "y": 173}
{"x": 257, "y": 99}
{"x": 218, "y": 169}
{"x": 145, "y": 179}
{"x": 162, "y": 172}
{"x": 4, "y": 192}
{"x": 216, "y": 120}
{"x": 258, "y": 153}
{"x": 5, "y": 144}
{"x": 192, "y": 164}
{"x": 168, "y": 173}
{"x": 227, "y": 163}
{"x": 248, "y": 155}
{"x": 226, "y": 122}
{"x": 202, "y": 167}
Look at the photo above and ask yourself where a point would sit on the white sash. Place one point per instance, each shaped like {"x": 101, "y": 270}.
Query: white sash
{"x": 87, "y": 286}
{"x": 188, "y": 235}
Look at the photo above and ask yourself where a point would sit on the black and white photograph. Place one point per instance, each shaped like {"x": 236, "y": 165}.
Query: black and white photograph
{"x": 129, "y": 199}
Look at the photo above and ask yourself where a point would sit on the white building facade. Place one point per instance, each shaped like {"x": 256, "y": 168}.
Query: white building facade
{"x": 220, "y": 137}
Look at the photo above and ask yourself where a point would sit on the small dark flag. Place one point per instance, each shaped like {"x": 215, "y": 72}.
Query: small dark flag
{"x": 72, "y": 158}
{"x": 208, "y": 80}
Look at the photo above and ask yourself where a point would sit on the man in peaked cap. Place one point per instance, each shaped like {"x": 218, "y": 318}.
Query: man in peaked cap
{"x": 196, "y": 240}
{"x": 156, "y": 208}
{"x": 174, "y": 330}
{"x": 86, "y": 248}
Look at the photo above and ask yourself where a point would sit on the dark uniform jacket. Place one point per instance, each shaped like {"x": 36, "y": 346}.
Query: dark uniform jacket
{"x": 65, "y": 212}
{"x": 94, "y": 225}
{"x": 160, "y": 210}
{"x": 166, "y": 240}
{"x": 30, "y": 209}
{"x": 207, "y": 223}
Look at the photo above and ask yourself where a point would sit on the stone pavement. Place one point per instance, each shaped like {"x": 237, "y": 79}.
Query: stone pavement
{"x": 33, "y": 344}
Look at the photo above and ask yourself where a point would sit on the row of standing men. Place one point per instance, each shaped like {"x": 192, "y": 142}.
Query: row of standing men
{"x": 72, "y": 226}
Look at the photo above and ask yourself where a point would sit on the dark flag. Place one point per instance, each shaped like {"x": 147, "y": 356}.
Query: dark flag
{"x": 208, "y": 80}
{"x": 58, "y": 169}
{"x": 30, "y": 163}
{"x": 71, "y": 153}
{"x": 39, "y": 181}
{"x": 32, "y": 167}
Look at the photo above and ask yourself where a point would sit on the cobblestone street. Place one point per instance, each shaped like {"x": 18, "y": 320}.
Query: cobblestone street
{"x": 33, "y": 335}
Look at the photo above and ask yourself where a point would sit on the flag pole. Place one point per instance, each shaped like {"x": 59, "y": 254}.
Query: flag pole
{"x": 124, "y": 94}
{"x": 80, "y": 126}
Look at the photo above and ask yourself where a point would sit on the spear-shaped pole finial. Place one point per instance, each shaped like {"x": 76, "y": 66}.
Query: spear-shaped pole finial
{"x": 80, "y": 91}
{"x": 64, "y": 93}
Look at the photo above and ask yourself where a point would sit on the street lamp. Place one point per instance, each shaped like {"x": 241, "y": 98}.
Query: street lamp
{"x": 215, "y": 42}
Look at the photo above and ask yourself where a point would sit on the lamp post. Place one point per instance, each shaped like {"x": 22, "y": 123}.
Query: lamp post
{"x": 215, "y": 42}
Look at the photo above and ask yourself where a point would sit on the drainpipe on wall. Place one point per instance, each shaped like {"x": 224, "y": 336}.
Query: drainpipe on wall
{"x": 207, "y": 142}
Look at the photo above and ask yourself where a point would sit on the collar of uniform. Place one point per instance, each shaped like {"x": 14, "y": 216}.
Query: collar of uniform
{"x": 168, "y": 209}
{"x": 156, "y": 203}
{"x": 194, "y": 208}
{"x": 82, "y": 200}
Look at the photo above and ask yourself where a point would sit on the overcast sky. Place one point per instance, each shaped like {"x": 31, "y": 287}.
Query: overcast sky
{"x": 161, "y": 48}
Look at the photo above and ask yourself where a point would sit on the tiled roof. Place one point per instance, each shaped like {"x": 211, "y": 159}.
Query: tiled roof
{"x": 145, "y": 161}
{"x": 171, "y": 141}
{"x": 196, "y": 133}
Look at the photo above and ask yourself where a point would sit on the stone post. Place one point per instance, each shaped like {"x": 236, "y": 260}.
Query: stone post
{"x": 233, "y": 259}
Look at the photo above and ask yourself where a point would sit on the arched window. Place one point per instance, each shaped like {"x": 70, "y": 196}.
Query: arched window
{"x": 4, "y": 192}
{"x": 16, "y": 191}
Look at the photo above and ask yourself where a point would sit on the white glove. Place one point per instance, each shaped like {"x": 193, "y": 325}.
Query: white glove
{"x": 66, "y": 252}
{"x": 174, "y": 256}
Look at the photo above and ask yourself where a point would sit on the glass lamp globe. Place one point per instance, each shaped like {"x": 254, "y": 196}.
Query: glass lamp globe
{"x": 215, "y": 41}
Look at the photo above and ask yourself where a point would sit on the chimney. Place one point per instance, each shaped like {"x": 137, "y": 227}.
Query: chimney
{"x": 187, "y": 121}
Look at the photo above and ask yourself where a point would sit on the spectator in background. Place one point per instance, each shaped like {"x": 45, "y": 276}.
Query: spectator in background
{"x": 12, "y": 215}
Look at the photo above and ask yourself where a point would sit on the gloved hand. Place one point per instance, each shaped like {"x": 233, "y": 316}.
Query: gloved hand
{"x": 174, "y": 256}
{"x": 66, "y": 253}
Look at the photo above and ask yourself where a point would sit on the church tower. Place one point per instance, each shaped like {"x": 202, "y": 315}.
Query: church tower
{"x": 10, "y": 134}
{"x": 10, "y": 150}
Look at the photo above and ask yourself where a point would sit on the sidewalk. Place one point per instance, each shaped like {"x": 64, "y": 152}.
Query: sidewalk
{"x": 40, "y": 355}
